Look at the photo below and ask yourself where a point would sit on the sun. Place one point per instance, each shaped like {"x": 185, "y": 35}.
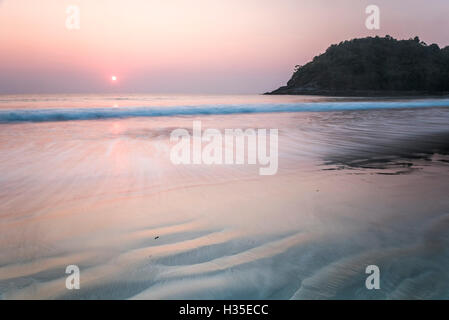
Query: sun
{"x": 114, "y": 78}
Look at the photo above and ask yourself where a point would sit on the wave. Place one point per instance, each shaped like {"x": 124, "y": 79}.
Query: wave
{"x": 67, "y": 114}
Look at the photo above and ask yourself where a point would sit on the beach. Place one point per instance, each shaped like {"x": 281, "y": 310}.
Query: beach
{"x": 87, "y": 180}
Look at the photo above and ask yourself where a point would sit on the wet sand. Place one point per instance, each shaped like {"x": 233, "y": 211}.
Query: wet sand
{"x": 101, "y": 194}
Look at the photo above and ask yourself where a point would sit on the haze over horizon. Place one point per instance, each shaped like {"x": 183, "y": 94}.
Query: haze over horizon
{"x": 193, "y": 46}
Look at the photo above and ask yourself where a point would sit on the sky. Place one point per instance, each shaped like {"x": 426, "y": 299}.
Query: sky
{"x": 188, "y": 46}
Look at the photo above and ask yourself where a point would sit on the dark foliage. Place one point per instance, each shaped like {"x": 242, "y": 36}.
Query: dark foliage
{"x": 375, "y": 64}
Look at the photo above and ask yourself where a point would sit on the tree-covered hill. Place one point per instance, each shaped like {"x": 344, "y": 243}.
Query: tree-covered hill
{"x": 374, "y": 66}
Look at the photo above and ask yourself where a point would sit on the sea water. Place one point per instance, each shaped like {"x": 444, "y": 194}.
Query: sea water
{"x": 87, "y": 180}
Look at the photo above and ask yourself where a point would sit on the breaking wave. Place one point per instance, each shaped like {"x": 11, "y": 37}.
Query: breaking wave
{"x": 67, "y": 114}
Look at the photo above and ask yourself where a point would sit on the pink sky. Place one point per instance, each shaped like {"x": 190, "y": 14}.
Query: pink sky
{"x": 188, "y": 46}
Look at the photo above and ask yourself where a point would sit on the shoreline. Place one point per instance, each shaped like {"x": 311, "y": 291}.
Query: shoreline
{"x": 356, "y": 93}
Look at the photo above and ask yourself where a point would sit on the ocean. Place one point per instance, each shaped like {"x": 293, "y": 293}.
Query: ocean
{"x": 87, "y": 180}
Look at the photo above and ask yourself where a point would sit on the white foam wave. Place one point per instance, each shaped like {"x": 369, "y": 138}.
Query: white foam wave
{"x": 67, "y": 114}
